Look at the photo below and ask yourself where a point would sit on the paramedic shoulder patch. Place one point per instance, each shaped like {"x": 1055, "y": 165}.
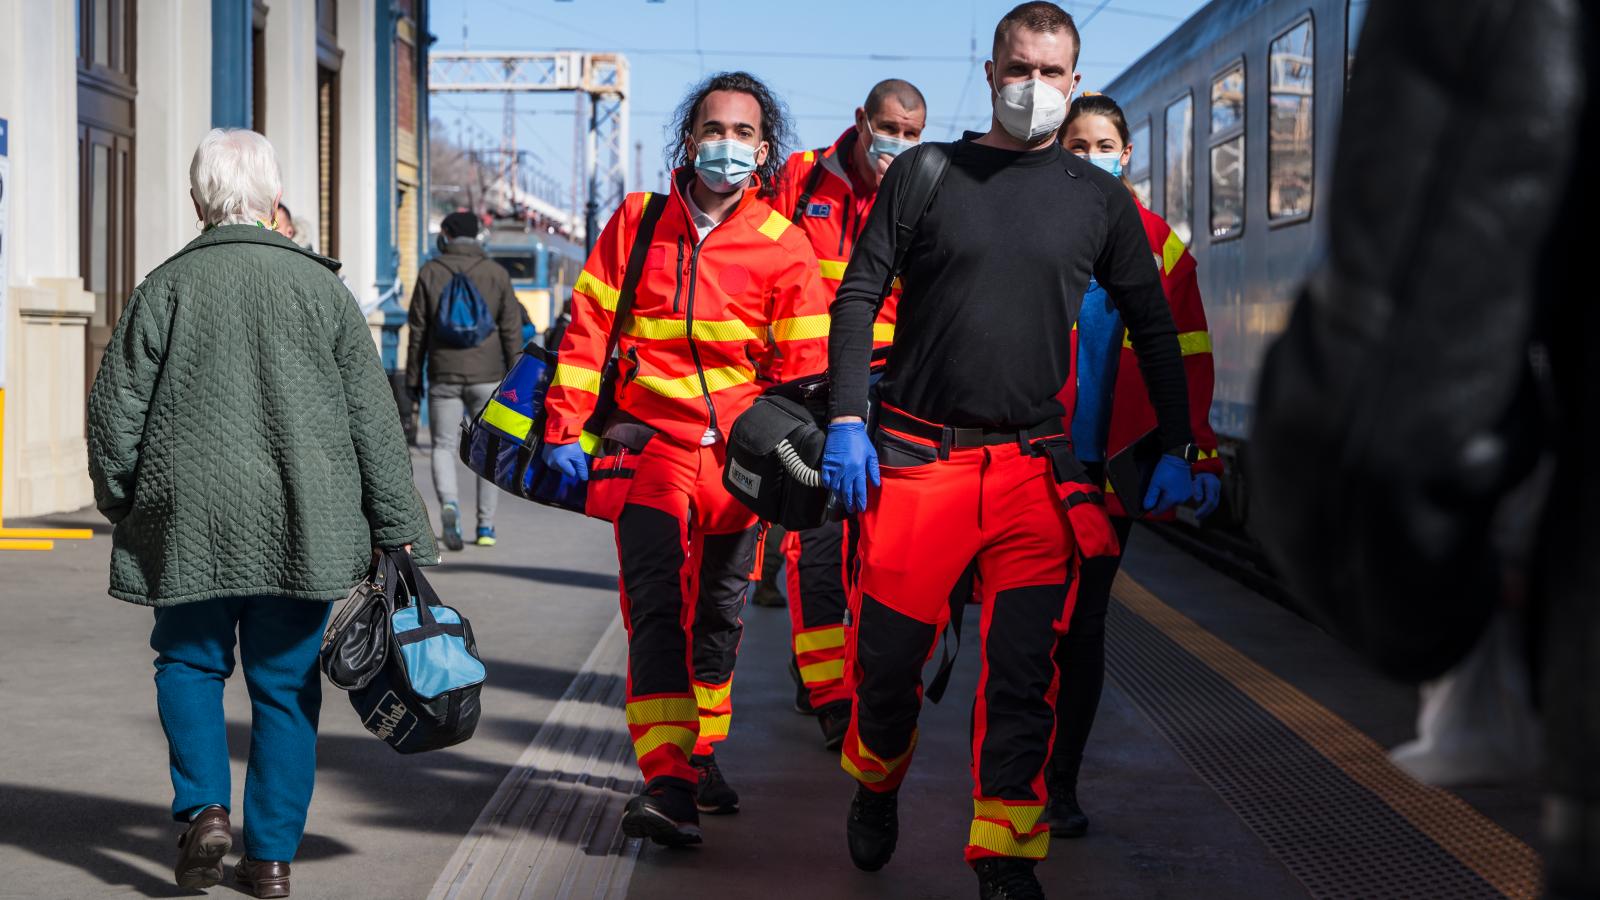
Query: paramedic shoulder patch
{"x": 819, "y": 210}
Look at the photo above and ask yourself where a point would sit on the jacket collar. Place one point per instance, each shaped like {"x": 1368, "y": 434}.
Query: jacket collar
{"x": 464, "y": 247}
{"x": 251, "y": 234}
{"x": 683, "y": 176}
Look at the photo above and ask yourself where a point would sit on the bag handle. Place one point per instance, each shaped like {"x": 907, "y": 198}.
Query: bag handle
{"x": 928, "y": 165}
{"x": 423, "y": 595}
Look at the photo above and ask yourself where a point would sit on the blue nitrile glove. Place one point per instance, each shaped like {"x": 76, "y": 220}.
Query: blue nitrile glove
{"x": 848, "y": 460}
{"x": 1169, "y": 485}
{"x": 1207, "y": 494}
{"x": 568, "y": 459}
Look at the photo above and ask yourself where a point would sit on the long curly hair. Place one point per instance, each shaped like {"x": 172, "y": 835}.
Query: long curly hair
{"x": 775, "y": 129}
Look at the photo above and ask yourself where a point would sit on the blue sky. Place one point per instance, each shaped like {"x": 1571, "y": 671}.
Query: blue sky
{"x": 818, "y": 54}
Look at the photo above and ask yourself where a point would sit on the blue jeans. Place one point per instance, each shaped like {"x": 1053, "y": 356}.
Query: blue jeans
{"x": 278, "y": 639}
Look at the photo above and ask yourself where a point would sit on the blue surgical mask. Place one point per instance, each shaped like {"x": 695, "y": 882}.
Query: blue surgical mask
{"x": 724, "y": 166}
{"x": 884, "y": 145}
{"x": 1111, "y": 162}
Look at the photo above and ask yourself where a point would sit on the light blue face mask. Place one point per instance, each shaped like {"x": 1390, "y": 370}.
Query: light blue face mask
{"x": 884, "y": 145}
{"x": 1111, "y": 162}
{"x": 724, "y": 166}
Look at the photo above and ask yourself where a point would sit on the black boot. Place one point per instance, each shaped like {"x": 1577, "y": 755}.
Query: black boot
{"x": 873, "y": 828}
{"x": 664, "y": 813}
{"x": 834, "y": 720}
{"x": 1007, "y": 878}
{"x": 1065, "y": 816}
{"x": 713, "y": 795}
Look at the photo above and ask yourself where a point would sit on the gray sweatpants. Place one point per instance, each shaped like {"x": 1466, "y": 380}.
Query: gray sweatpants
{"x": 448, "y": 404}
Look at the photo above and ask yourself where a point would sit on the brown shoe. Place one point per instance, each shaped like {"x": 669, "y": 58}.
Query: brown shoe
{"x": 201, "y": 848}
{"x": 262, "y": 878}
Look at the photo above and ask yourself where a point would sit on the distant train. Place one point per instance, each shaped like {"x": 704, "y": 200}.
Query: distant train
{"x": 543, "y": 269}
{"x": 1234, "y": 119}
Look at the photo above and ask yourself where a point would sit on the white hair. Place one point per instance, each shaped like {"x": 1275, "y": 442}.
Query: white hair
{"x": 234, "y": 177}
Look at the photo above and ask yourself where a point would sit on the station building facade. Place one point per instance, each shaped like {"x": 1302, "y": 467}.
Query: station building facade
{"x": 101, "y": 105}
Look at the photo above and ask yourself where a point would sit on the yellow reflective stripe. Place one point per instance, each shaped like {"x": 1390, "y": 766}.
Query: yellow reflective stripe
{"x": 821, "y": 639}
{"x": 1190, "y": 343}
{"x": 672, "y": 329}
{"x": 809, "y": 155}
{"x": 801, "y": 328}
{"x": 1194, "y": 342}
{"x": 775, "y": 225}
{"x": 689, "y": 385}
{"x": 715, "y": 726}
{"x": 882, "y": 333}
{"x": 888, "y": 767}
{"x": 662, "y": 735}
{"x": 589, "y": 442}
{"x": 832, "y": 268}
{"x": 1024, "y": 818}
{"x": 997, "y": 838}
{"x": 822, "y": 672}
{"x": 603, "y": 294}
{"x": 1207, "y": 454}
{"x": 1171, "y": 252}
{"x": 710, "y": 696}
{"x": 662, "y": 709}
{"x": 577, "y": 378}
{"x": 507, "y": 419}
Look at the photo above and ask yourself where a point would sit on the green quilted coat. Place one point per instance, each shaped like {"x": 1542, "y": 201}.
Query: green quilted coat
{"x": 243, "y": 438}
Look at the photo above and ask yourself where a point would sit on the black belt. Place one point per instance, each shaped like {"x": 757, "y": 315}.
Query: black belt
{"x": 951, "y": 437}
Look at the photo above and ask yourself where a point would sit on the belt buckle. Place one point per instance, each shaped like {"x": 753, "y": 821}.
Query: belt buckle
{"x": 966, "y": 437}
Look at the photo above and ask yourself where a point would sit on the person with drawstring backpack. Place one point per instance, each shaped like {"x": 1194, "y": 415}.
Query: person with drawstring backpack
{"x": 466, "y": 332}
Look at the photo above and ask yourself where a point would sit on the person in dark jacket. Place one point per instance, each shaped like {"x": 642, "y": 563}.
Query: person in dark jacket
{"x": 1448, "y": 333}
{"x": 460, "y": 379}
{"x": 243, "y": 442}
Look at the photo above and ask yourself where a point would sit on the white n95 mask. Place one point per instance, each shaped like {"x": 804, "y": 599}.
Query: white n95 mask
{"x": 1031, "y": 110}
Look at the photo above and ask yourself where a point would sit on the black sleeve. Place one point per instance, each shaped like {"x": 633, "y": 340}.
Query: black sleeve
{"x": 417, "y": 328}
{"x": 1126, "y": 270}
{"x": 855, "y": 306}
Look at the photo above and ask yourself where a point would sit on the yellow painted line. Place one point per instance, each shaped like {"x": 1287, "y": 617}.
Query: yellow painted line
{"x": 58, "y": 534}
{"x": 1495, "y": 855}
{"x": 10, "y": 544}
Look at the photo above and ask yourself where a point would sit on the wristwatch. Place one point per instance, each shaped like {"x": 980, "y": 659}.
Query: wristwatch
{"x": 1189, "y": 453}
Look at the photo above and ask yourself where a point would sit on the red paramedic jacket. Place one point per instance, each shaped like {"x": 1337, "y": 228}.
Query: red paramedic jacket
{"x": 703, "y": 315}
{"x": 833, "y": 218}
{"x": 1131, "y": 413}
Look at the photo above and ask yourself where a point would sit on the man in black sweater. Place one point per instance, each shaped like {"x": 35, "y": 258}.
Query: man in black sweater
{"x": 975, "y": 462}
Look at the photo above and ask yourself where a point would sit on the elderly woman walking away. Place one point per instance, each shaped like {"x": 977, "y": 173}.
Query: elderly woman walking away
{"x": 245, "y": 444}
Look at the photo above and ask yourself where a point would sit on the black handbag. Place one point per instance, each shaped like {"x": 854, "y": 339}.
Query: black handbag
{"x": 409, "y": 663}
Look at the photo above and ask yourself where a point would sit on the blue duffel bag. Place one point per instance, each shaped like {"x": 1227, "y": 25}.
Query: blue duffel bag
{"x": 409, "y": 663}
{"x": 502, "y": 442}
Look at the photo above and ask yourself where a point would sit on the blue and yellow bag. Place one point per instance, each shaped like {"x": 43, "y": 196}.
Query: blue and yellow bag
{"x": 502, "y": 443}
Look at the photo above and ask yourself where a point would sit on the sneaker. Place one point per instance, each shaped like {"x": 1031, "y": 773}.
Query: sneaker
{"x": 1007, "y": 878}
{"x": 873, "y": 828}
{"x": 485, "y": 536}
{"x": 834, "y": 720}
{"x": 664, "y": 813}
{"x": 713, "y": 795}
{"x": 802, "y": 694}
{"x": 1065, "y": 816}
{"x": 260, "y": 878}
{"x": 201, "y": 848}
{"x": 451, "y": 517}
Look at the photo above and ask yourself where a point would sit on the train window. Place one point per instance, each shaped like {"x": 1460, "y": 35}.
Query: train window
{"x": 1355, "y": 15}
{"x": 1139, "y": 163}
{"x": 1290, "y": 62}
{"x": 1227, "y": 153}
{"x": 1179, "y": 153}
{"x": 1227, "y": 101}
{"x": 518, "y": 266}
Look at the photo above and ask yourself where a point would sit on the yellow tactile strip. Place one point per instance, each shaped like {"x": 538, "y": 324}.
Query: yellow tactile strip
{"x": 1336, "y": 849}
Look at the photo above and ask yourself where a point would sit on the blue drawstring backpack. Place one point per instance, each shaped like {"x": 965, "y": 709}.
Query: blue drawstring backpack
{"x": 409, "y": 663}
{"x": 463, "y": 318}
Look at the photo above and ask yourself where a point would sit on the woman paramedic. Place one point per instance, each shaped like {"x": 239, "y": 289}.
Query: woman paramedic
{"x": 1108, "y": 410}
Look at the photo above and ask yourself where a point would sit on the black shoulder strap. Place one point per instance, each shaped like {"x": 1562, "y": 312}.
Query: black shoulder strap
{"x": 654, "y": 204}
{"x": 928, "y": 165}
{"x": 813, "y": 181}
